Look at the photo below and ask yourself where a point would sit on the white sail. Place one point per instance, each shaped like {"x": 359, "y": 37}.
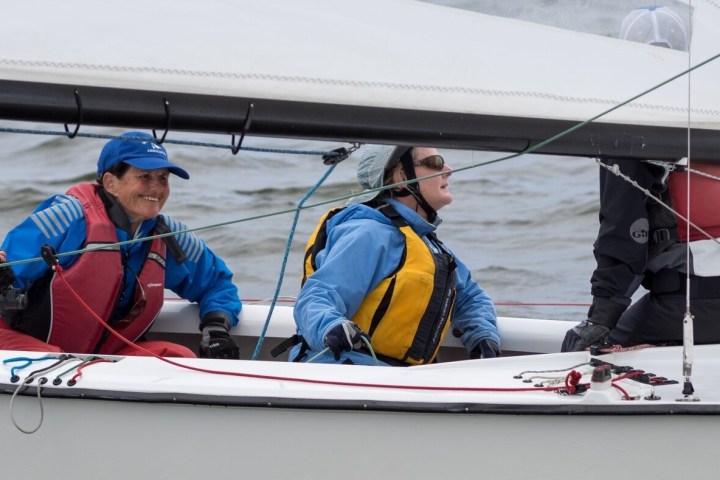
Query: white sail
{"x": 400, "y": 54}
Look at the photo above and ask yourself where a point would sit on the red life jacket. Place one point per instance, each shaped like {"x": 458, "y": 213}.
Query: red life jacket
{"x": 97, "y": 278}
{"x": 704, "y": 195}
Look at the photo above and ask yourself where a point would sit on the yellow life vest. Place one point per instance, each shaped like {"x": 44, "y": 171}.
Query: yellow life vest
{"x": 407, "y": 315}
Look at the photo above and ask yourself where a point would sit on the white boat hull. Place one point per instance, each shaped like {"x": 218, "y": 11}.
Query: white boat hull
{"x": 115, "y": 440}
{"x": 146, "y": 418}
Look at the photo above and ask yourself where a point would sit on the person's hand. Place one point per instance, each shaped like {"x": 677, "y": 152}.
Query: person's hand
{"x": 7, "y": 276}
{"x": 344, "y": 337}
{"x": 486, "y": 349}
{"x": 583, "y": 335}
{"x": 216, "y": 341}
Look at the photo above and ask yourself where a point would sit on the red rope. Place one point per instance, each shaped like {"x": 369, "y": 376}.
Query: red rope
{"x": 58, "y": 270}
{"x": 625, "y": 393}
{"x": 571, "y": 381}
{"x": 80, "y": 369}
{"x": 620, "y": 348}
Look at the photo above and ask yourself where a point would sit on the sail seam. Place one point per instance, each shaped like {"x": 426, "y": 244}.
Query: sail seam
{"x": 351, "y": 83}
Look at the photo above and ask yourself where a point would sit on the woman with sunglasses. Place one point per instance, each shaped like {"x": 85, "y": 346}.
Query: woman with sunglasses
{"x": 377, "y": 280}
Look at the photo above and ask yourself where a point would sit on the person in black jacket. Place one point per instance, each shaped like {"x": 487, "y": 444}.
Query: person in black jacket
{"x": 639, "y": 242}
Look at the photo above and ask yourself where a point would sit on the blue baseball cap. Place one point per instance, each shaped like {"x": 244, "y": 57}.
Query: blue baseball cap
{"x": 143, "y": 154}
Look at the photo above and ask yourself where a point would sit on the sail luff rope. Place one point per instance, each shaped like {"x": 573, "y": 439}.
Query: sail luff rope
{"x": 688, "y": 327}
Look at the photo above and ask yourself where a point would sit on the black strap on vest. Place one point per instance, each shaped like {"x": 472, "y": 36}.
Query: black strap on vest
{"x": 663, "y": 225}
{"x": 414, "y": 188}
{"x": 319, "y": 245}
{"x": 170, "y": 241}
{"x": 290, "y": 342}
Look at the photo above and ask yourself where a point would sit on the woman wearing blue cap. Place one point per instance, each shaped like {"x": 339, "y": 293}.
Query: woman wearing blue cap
{"x": 123, "y": 284}
{"x": 376, "y": 273}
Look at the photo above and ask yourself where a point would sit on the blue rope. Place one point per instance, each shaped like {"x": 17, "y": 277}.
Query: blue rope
{"x": 177, "y": 142}
{"x": 285, "y": 258}
{"x": 28, "y": 362}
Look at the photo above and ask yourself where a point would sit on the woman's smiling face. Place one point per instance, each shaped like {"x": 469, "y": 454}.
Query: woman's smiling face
{"x": 141, "y": 193}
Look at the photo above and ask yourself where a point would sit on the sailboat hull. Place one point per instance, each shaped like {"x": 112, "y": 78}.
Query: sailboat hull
{"x": 92, "y": 439}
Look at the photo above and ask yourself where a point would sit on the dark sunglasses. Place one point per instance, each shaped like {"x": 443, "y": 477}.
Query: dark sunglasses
{"x": 433, "y": 162}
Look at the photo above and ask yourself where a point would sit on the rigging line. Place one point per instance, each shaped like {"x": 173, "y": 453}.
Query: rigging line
{"x": 365, "y": 341}
{"x": 290, "y": 379}
{"x": 564, "y": 132}
{"x": 28, "y": 361}
{"x": 40, "y": 403}
{"x": 177, "y": 232}
{"x": 687, "y": 181}
{"x": 61, "y": 360}
{"x": 673, "y": 167}
{"x": 615, "y": 170}
{"x": 176, "y": 142}
{"x": 87, "y": 363}
{"x": 288, "y": 244}
{"x": 688, "y": 334}
{"x": 58, "y": 378}
{"x": 519, "y": 375}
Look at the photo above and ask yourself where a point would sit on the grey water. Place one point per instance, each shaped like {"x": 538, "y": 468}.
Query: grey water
{"x": 524, "y": 226}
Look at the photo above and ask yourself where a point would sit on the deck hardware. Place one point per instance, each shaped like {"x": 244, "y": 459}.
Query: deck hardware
{"x": 246, "y": 126}
{"x": 166, "y": 104}
{"x": 47, "y": 252}
{"x": 339, "y": 154}
{"x": 78, "y": 120}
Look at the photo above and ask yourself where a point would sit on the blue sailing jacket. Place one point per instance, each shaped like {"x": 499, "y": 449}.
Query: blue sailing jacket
{"x": 60, "y": 222}
{"x": 363, "y": 248}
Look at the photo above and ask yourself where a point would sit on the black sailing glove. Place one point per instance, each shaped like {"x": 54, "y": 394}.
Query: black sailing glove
{"x": 216, "y": 341}
{"x": 344, "y": 337}
{"x": 583, "y": 335}
{"x": 486, "y": 349}
{"x": 603, "y": 315}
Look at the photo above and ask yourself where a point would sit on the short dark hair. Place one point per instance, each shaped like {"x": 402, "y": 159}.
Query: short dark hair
{"x": 118, "y": 170}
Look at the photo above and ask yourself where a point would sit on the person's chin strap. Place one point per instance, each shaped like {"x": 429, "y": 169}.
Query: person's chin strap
{"x": 414, "y": 188}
